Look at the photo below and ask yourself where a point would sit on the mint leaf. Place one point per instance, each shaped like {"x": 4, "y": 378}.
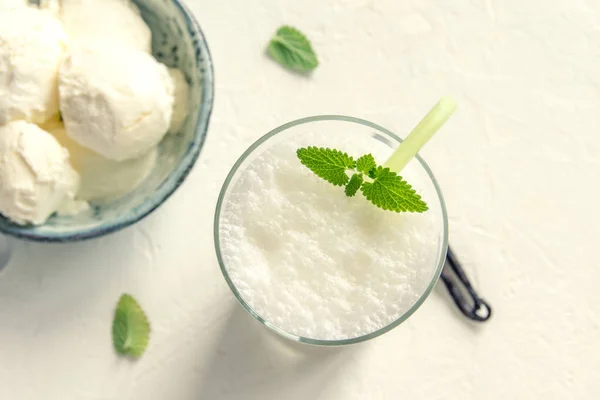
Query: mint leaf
{"x": 390, "y": 192}
{"x": 290, "y": 48}
{"x": 328, "y": 164}
{"x": 365, "y": 163}
{"x": 130, "y": 329}
{"x": 354, "y": 184}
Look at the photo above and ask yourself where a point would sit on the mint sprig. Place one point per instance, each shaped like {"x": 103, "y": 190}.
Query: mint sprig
{"x": 382, "y": 187}
{"x": 131, "y": 329}
{"x": 290, "y": 48}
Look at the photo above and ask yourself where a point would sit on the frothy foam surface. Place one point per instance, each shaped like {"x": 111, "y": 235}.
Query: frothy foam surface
{"x": 316, "y": 263}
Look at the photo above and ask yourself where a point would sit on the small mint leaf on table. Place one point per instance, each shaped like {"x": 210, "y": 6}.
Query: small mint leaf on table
{"x": 390, "y": 192}
{"x": 328, "y": 164}
{"x": 354, "y": 184}
{"x": 365, "y": 163}
{"x": 290, "y": 48}
{"x": 131, "y": 329}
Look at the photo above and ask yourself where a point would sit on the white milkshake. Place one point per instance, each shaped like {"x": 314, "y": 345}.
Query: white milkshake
{"x": 314, "y": 263}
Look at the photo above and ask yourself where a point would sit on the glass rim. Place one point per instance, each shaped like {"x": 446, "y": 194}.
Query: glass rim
{"x": 325, "y": 342}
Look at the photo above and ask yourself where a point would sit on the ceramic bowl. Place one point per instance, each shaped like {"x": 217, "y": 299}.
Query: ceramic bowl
{"x": 177, "y": 41}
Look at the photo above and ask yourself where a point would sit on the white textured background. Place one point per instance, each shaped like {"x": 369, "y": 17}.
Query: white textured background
{"x": 519, "y": 165}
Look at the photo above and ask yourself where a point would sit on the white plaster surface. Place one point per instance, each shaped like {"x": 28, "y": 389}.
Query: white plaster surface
{"x": 519, "y": 165}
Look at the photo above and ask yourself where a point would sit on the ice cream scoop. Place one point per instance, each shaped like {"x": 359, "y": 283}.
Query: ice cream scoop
{"x": 115, "y": 21}
{"x": 37, "y": 179}
{"x": 12, "y": 4}
{"x": 101, "y": 178}
{"x": 32, "y": 43}
{"x": 116, "y": 101}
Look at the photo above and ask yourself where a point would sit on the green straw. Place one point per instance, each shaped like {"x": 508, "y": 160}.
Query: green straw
{"x": 429, "y": 125}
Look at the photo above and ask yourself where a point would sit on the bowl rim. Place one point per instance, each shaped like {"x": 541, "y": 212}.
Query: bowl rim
{"x": 313, "y": 341}
{"x": 177, "y": 176}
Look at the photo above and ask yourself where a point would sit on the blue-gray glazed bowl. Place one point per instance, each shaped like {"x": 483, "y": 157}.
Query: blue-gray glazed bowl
{"x": 177, "y": 41}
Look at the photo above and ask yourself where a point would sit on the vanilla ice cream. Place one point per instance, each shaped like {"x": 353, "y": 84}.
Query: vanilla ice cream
{"x": 35, "y": 175}
{"x": 12, "y": 4}
{"x": 180, "y": 104}
{"x": 32, "y": 43}
{"x": 101, "y": 178}
{"x": 52, "y": 6}
{"x": 115, "y": 21}
{"x": 115, "y": 101}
